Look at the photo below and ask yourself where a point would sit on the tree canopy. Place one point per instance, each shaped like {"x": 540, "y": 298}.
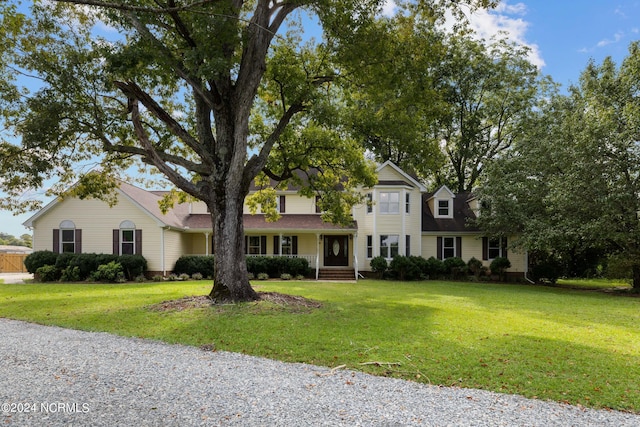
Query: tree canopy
{"x": 573, "y": 183}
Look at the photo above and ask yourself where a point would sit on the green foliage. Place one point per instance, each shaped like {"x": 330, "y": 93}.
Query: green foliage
{"x": 133, "y": 265}
{"x": 262, "y": 276}
{"x": 433, "y": 268}
{"x": 9, "y": 240}
{"x": 546, "y": 268}
{"x": 455, "y": 267}
{"x": 379, "y": 264}
{"x": 111, "y": 273}
{"x": 276, "y": 266}
{"x": 405, "y": 268}
{"x": 571, "y": 183}
{"x": 285, "y": 276}
{"x": 192, "y": 264}
{"x": 47, "y": 273}
{"x": 38, "y": 259}
{"x": 499, "y": 266}
{"x": 70, "y": 274}
{"x": 475, "y": 266}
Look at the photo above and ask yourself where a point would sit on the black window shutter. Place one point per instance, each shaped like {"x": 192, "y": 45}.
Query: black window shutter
{"x": 504, "y": 247}
{"x": 263, "y": 245}
{"x": 294, "y": 245}
{"x": 439, "y": 248}
{"x": 246, "y": 245}
{"x": 276, "y": 245}
{"x": 282, "y": 204}
{"x": 138, "y": 242}
{"x": 78, "y": 241}
{"x": 459, "y": 247}
{"x": 116, "y": 242}
{"x": 485, "y": 248}
{"x": 56, "y": 240}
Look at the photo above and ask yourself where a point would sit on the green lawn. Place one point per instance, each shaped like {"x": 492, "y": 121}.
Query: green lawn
{"x": 547, "y": 342}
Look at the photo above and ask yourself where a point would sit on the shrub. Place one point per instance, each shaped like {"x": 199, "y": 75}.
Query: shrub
{"x": 475, "y": 267}
{"x": 277, "y": 265}
{"x": 157, "y": 278}
{"x": 38, "y": 259}
{"x": 70, "y": 274}
{"x": 196, "y": 276}
{"x": 191, "y": 264}
{"x": 456, "y": 267}
{"x": 433, "y": 268}
{"x": 133, "y": 265}
{"x": 47, "y": 273}
{"x": 404, "y": 268}
{"x": 64, "y": 261}
{"x": 300, "y": 277}
{"x": 499, "y": 266}
{"x": 141, "y": 278}
{"x": 379, "y": 265}
{"x": 111, "y": 272}
{"x": 546, "y": 268}
{"x": 184, "y": 276}
{"x": 172, "y": 277}
{"x": 285, "y": 276}
{"x": 263, "y": 276}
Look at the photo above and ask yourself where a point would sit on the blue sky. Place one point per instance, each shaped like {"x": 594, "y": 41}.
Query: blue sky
{"x": 563, "y": 36}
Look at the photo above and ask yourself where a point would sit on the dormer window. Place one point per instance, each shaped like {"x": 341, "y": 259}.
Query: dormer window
{"x": 443, "y": 208}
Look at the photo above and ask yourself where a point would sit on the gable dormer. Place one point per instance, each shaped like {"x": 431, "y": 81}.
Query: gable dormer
{"x": 441, "y": 203}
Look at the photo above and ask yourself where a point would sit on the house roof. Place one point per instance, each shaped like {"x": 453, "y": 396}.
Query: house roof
{"x": 304, "y": 222}
{"x": 462, "y": 213}
{"x": 408, "y": 179}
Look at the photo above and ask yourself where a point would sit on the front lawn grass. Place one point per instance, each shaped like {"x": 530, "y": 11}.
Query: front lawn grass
{"x": 546, "y": 342}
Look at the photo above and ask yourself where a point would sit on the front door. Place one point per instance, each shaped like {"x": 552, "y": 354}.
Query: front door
{"x": 336, "y": 251}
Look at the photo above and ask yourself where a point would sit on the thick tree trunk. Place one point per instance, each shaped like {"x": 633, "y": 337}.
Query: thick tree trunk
{"x": 230, "y": 279}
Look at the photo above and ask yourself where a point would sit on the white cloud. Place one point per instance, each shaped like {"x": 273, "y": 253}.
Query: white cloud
{"x": 506, "y": 21}
{"x": 389, "y": 8}
{"x": 616, "y": 38}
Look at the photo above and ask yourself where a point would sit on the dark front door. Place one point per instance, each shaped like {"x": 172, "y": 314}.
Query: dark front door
{"x": 336, "y": 251}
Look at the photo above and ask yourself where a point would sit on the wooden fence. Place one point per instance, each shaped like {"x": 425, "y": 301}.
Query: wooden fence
{"x": 12, "y": 263}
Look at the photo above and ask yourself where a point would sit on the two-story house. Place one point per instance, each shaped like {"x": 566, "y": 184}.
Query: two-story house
{"x": 403, "y": 218}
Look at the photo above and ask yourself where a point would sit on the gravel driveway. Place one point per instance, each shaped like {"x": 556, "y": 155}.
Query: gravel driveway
{"x": 57, "y": 377}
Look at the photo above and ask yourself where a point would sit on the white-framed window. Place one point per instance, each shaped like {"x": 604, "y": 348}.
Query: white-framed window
{"x": 389, "y": 244}
{"x": 369, "y": 202}
{"x": 443, "y": 207}
{"x": 280, "y": 204}
{"x": 127, "y": 238}
{"x": 407, "y": 245}
{"x": 496, "y": 247}
{"x": 67, "y": 237}
{"x": 254, "y": 245}
{"x": 389, "y": 202}
{"x": 448, "y": 247}
{"x": 369, "y": 246}
{"x": 286, "y": 245}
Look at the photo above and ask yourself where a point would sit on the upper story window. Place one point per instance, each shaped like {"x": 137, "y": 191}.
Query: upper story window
{"x": 407, "y": 202}
{"x": 67, "y": 237}
{"x": 444, "y": 208}
{"x": 280, "y": 204}
{"x": 369, "y": 202}
{"x": 389, "y": 202}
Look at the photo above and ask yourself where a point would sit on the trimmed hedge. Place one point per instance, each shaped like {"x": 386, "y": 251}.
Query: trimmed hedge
{"x": 78, "y": 267}
{"x": 272, "y": 266}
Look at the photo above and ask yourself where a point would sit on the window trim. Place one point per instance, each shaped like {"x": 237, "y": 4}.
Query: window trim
{"x": 387, "y": 250}
{"x": 439, "y": 208}
{"x": 386, "y": 206}
{"x": 369, "y": 246}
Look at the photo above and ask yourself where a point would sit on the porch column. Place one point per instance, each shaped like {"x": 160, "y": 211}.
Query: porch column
{"x": 355, "y": 254}
{"x": 206, "y": 243}
{"x": 280, "y": 245}
{"x": 319, "y": 239}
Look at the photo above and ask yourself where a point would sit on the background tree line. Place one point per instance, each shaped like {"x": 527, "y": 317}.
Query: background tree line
{"x": 9, "y": 240}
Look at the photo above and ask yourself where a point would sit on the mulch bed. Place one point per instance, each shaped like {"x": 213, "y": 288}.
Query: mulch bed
{"x": 201, "y": 301}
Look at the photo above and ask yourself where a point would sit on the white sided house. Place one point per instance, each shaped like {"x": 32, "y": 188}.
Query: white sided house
{"x": 403, "y": 219}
